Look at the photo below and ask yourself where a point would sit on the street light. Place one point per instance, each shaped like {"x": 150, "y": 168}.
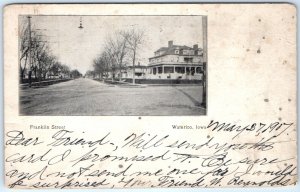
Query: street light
{"x": 29, "y": 47}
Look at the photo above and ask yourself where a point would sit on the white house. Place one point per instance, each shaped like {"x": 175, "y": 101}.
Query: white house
{"x": 176, "y": 62}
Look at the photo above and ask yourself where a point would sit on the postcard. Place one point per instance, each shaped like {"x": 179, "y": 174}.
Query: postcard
{"x": 150, "y": 95}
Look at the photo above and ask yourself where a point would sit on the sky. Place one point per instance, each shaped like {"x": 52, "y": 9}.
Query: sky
{"x": 78, "y": 47}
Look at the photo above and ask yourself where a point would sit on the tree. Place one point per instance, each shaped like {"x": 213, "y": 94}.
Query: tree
{"x": 24, "y": 48}
{"x": 98, "y": 67}
{"x": 39, "y": 48}
{"x": 65, "y": 71}
{"x": 90, "y": 74}
{"x": 33, "y": 48}
{"x": 116, "y": 50}
{"x": 134, "y": 40}
{"x": 102, "y": 65}
{"x": 56, "y": 68}
{"x": 75, "y": 74}
{"x": 119, "y": 48}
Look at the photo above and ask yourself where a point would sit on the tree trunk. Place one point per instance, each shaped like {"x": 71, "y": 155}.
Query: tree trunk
{"x": 22, "y": 75}
{"x": 120, "y": 75}
{"x": 35, "y": 74}
{"x": 23, "y": 69}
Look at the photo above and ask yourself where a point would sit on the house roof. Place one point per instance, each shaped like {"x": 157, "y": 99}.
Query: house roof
{"x": 137, "y": 66}
{"x": 170, "y": 50}
{"x": 173, "y": 47}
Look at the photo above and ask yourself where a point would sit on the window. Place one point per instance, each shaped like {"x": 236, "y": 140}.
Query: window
{"x": 176, "y": 51}
{"x": 138, "y": 74}
{"x": 198, "y": 70}
{"x": 188, "y": 60}
{"x": 180, "y": 70}
{"x": 188, "y": 70}
{"x": 159, "y": 70}
{"x": 168, "y": 69}
{"x": 192, "y": 70}
{"x": 154, "y": 71}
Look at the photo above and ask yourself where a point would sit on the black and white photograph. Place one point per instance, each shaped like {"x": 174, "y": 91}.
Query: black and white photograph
{"x": 105, "y": 65}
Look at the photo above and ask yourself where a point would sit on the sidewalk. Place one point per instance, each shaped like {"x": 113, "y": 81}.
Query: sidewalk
{"x": 128, "y": 84}
{"x": 43, "y": 83}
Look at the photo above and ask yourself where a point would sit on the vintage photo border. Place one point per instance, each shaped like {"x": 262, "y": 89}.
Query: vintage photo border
{"x": 205, "y": 66}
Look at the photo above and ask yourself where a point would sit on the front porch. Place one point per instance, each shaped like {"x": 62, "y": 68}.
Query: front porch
{"x": 190, "y": 72}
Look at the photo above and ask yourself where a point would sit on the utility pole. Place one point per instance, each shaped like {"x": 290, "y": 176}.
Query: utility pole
{"x": 133, "y": 69}
{"x": 204, "y": 76}
{"x": 29, "y": 47}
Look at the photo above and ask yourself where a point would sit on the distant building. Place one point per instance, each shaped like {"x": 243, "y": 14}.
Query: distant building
{"x": 141, "y": 72}
{"x": 176, "y": 62}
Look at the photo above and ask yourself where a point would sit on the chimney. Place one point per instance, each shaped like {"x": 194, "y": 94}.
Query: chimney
{"x": 170, "y": 43}
{"x": 195, "y": 46}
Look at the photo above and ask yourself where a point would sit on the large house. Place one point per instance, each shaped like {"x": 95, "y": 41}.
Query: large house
{"x": 176, "y": 62}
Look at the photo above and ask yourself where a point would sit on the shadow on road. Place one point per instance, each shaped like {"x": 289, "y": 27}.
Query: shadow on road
{"x": 195, "y": 102}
